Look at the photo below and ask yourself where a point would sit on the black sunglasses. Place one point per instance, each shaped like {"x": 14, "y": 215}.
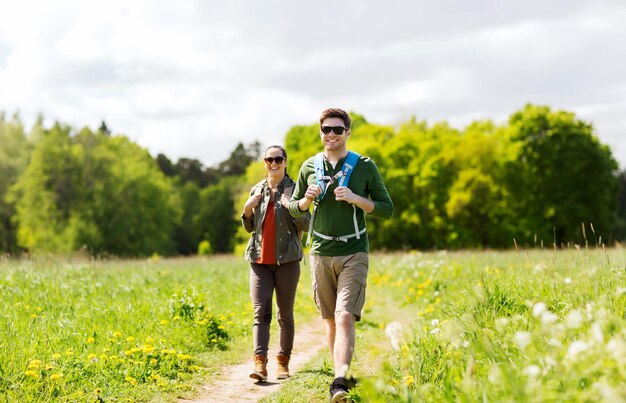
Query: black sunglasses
{"x": 336, "y": 129}
{"x": 279, "y": 160}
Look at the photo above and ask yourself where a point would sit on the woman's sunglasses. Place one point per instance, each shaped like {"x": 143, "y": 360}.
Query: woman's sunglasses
{"x": 270, "y": 160}
{"x": 336, "y": 129}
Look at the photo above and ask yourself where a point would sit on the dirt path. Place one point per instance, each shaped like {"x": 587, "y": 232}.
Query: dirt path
{"x": 234, "y": 384}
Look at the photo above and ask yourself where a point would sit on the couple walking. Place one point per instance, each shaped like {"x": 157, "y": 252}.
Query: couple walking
{"x": 342, "y": 186}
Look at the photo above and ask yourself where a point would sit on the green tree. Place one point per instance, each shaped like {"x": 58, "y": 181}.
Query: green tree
{"x": 620, "y": 227}
{"x": 476, "y": 209}
{"x": 187, "y": 234}
{"x": 94, "y": 191}
{"x": 215, "y": 219}
{"x": 239, "y": 159}
{"x": 559, "y": 175}
{"x": 418, "y": 169}
{"x": 14, "y": 154}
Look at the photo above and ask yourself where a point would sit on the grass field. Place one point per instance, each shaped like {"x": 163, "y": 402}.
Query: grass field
{"x": 124, "y": 330}
{"x": 492, "y": 326}
{"x": 487, "y": 326}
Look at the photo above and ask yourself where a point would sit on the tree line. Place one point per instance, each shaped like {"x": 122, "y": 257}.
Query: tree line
{"x": 540, "y": 179}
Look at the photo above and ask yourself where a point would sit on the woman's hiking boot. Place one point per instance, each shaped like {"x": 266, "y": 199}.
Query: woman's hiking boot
{"x": 283, "y": 366}
{"x": 260, "y": 368}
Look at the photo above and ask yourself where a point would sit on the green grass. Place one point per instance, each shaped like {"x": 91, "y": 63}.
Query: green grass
{"x": 127, "y": 330}
{"x": 470, "y": 326}
{"x": 488, "y": 326}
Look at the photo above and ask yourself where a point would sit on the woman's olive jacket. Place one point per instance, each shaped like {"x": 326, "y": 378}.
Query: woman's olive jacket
{"x": 288, "y": 247}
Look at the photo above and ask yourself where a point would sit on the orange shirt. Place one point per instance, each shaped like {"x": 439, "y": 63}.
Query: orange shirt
{"x": 268, "y": 239}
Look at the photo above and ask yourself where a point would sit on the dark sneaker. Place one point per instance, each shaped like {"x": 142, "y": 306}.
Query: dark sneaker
{"x": 339, "y": 390}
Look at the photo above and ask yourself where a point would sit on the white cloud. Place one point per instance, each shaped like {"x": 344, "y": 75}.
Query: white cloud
{"x": 194, "y": 78}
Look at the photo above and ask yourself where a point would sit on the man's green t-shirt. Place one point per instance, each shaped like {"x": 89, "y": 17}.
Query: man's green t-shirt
{"x": 335, "y": 218}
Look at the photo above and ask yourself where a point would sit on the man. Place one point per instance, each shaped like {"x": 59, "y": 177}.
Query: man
{"x": 339, "y": 251}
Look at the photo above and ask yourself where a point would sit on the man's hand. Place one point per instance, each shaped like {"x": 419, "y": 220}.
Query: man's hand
{"x": 311, "y": 193}
{"x": 343, "y": 193}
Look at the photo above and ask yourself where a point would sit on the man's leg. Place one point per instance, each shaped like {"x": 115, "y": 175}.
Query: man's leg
{"x": 344, "y": 342}
{"x": 351, "y": 285}
{"x": 330, "y": 336}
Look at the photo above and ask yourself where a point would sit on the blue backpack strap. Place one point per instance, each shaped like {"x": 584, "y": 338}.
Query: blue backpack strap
{"x": 348, "y": 167}
{"x": 318, "y": 164}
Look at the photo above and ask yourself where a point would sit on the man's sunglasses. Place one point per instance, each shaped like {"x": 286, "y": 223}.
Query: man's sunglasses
{"x": 336, "y": 129}
{"x": 279, "y": 160}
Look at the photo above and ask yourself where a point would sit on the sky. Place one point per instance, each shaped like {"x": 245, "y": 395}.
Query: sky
{"x": 193, "y": 79}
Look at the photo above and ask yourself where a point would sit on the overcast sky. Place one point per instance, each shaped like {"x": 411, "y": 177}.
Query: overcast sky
{"x": 193, "y": 78}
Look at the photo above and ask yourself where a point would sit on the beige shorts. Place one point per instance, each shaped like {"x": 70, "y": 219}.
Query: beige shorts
{"x": 339, "y": 283}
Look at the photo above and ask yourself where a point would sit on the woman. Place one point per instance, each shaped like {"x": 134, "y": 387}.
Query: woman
{"x": 274, "y": 252}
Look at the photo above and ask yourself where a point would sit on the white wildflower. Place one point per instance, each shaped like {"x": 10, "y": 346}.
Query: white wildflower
{"x": 393, "y": 331}
{"x": 576, "y": 348}
{"x": 574, "y": 319}
{"x": 548, "y": 317}
{"x": 567, "y": 280}
{"x": 522, "y": 339}
{"x": 532, "y": 371}
{"x": 434, "y": 322}
{"x": 597, "y": 333}
{"x": 617, "y": 348}
{"x": 495, "y": 374}
{"x": 538, "y": 309}
{"x": 550, "y": 363}
{"x": 466, "y": 344}
{"x": 501, "y": 324}
{"x": 435, "y": 331}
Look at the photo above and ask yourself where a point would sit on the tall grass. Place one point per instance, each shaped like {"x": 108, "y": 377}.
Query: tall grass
{"x": 515, "y": 326}
{"x": 539, "y": 325}
{"x": 124, "y": 331}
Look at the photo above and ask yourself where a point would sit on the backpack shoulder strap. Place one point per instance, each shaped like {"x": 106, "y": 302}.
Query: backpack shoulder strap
{"x": 348, "y": 167}
{"x": 318, "y": 164}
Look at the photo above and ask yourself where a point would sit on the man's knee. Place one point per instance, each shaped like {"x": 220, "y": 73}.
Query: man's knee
{"x": 344, "y": 319}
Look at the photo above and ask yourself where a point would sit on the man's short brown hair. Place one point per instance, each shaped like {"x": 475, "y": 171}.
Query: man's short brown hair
{"x": 336, "y": 113}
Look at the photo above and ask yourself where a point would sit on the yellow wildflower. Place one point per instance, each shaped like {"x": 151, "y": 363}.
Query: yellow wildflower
{"x": 130, "y": 339}
{"x": 32, "y": 374}
{"x": 147, "y": 349}
{"x": 90, "y": 340}
{"x": 98, "y": 391}
{"x": 56, "y": 356}
{"x": 54, "y": 377}
{"x": 408, "y": 380}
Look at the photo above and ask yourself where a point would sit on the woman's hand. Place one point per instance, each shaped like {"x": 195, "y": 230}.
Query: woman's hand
{"x": 251, "y": 204}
